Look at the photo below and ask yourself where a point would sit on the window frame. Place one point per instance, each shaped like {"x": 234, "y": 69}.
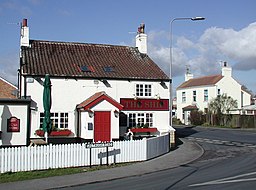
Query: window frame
{"x": 144, "y": 90}
{"x": 194, "y": 95}
{"x": 206, "y": 95}
{"x": 136, "y": 119}
{"x": 218, "y": 92}
{"x": 183, "y": 97}
{"x": 59, "y": 119}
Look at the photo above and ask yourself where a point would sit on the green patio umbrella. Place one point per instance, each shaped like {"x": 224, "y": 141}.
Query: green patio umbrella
{"x": 47, "y": 102}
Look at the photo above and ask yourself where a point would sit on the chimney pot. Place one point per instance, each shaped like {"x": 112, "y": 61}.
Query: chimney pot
{"x": 25, "y": 22}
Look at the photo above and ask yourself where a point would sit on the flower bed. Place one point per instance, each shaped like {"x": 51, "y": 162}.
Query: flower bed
{"x": 65, "y": 132}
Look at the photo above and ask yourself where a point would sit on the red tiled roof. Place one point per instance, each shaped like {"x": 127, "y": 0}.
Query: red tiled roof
{"x": 201, "y": 81}
{"x": 7, "y": 90}
{"x": 65, "y": 59}
{"x": 96, "y": 98}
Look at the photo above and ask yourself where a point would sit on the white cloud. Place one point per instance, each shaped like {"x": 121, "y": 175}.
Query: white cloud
{"x": 236, "y": 47}
{"x": 184, "y": 43}
{"x": 9, "y": 65}
{"x": 17, "y": 7}
{"x": 159, "y": 51}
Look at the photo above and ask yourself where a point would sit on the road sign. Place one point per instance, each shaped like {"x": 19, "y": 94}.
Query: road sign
{"x": 99, "y": 145}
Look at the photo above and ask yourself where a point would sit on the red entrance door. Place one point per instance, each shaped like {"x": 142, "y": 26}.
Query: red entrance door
{"x": 101, "y": 126}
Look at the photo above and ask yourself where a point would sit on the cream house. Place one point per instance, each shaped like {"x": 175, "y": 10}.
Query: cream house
{"x": 196, "y": 93}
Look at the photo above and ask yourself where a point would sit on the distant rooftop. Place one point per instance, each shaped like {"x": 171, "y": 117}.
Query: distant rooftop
{"x": 201, "y": 81}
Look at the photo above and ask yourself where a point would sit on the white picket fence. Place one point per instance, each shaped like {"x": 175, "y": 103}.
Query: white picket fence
{"x": 74, "y": 155}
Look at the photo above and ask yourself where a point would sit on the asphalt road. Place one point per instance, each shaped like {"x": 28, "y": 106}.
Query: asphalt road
{"x": 227, "y": 163}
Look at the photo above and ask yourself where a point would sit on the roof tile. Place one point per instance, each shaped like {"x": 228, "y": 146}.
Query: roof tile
{"x": 7, "y": 90}
{"x": 201, "y": 81}
{"x": 66, "y": 58}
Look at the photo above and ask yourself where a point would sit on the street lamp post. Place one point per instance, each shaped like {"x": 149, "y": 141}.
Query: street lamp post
{"x": 181, "y": 18}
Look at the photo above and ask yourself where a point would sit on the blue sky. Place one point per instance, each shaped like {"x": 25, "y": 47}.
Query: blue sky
{"x": 227, "y": 34}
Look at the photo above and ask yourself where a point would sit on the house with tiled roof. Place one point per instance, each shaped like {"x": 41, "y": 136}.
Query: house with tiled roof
{"x": 196, "y": 93}
{"x": 7, "y": 89}
{"x": 98, "y": 90}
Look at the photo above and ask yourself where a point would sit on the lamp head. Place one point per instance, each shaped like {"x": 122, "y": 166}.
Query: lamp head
{"x": 197, "y": 18}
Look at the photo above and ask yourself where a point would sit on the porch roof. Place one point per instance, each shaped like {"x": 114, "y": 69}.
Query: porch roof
{"x": 97, "y": 98}
{"x": 190, "y": 108}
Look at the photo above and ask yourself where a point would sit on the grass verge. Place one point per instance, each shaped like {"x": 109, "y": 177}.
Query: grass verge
{"x": 21, "y": 176}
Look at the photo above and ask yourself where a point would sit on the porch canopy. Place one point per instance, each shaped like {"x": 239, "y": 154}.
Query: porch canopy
{"x": 190, "y": 108}
{"x": 96, "y": 99}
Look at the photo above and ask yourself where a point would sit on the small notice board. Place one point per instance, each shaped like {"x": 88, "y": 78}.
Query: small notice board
{"x": 98, "y": 145}
{"x": 13, "y": 124}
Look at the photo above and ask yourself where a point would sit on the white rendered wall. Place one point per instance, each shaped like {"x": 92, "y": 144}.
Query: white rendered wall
{"x": 85, "y": 119}
{"x": 226, "y": 85}
{"x": 14, "y": 138}
{"x": 68, "y": 93}
{"x": 246, "y": 98}
{"x": 230, "y": 87}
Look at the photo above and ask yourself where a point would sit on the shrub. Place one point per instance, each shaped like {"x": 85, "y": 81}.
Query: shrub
{"x": 197, "y": 117}
{"x": 176, "y": 121}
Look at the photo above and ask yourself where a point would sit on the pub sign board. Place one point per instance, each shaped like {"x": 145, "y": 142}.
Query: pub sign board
{"x": 145, "y": 104}
{"x": 13, "y": 124}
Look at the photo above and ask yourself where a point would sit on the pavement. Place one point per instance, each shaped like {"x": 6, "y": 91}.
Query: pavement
{"x": 185, "y": 153}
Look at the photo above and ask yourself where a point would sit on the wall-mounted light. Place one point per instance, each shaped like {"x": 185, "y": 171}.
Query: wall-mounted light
{"x": 116, "y": 113}
{"x": 135, "y": 97}
{"x": 157, "y": 96}
{"x": 90, "y": 113}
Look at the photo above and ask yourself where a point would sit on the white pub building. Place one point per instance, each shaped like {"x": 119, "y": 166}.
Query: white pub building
{"x": 98, "y": 91}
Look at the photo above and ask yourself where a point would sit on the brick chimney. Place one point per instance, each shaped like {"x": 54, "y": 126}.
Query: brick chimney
{"x": 141, "y": 39}
{"x": 24, "y": 34}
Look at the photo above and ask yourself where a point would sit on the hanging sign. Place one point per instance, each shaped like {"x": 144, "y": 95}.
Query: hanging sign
{"x": 13, "y": 124}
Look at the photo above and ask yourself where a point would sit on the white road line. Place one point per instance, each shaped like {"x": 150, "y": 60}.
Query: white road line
{"x": 223, "y": 182}
{"x": 227, "y": 180}
{"x": 216, "y": 140}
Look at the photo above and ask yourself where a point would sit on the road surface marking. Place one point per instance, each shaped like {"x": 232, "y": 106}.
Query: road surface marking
{"x": 227, "y": 180}
{"x": 221, "y": 142}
